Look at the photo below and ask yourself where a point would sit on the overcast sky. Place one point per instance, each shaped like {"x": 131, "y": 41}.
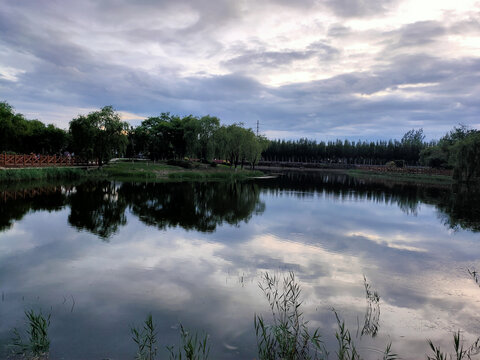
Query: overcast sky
{"x": 357, "y": 69}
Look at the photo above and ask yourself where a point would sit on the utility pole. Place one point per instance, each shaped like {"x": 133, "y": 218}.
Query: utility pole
{"x": 258, "y": 126}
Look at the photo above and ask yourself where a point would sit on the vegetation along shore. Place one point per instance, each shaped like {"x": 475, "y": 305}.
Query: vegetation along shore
{"x": 190, "y": 142}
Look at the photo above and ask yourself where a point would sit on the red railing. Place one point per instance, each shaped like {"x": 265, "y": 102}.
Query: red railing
{"x": 16, "y": 161}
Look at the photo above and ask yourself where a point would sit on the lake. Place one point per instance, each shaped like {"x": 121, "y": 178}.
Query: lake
{"x": 100, "y": 256}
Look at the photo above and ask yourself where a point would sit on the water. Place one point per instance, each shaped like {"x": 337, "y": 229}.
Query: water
{"x": 100, "y": 256}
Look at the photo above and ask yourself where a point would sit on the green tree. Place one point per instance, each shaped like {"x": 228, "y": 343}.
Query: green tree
{"x": 254, "y": 146}
{"x": 467, "y": 158}
{"x": 99, "y": 135}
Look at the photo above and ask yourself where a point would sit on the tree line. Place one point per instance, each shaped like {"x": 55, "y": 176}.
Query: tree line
{"x": 348, "y": 152}
{"x": 101, "y": 135}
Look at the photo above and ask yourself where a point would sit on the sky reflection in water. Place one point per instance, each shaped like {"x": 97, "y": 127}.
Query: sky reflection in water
{"x": 106, "y": 254}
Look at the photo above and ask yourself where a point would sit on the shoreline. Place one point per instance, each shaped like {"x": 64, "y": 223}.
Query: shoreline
{"x": 130, "y": 171}
{"x": 369, "y": 174}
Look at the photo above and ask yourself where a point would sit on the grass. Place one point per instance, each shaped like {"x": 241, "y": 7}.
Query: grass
{"x": 288, "y": 337}
{"x": 224, "y": 174}
{"x": 145, "y": 338}
{"x": 460, "y": 352}
{"x": 131, "y": 171}
{"x": 161, "y": 171}
{"x": 191, "y": 347}
{"x": 37, "y": 346}
{"x": 13, "y": 175}
{"x": 403, "y": 177}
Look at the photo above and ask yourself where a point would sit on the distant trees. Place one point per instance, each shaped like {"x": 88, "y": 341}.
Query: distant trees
{"x": 348, "y": 152}
{"x": 99, "y": 135}
{"x": 467, "y": 158}
{"x": 168, "y": 136}
{"x": 458, "y": 150}
{"x": 20, "y": 135}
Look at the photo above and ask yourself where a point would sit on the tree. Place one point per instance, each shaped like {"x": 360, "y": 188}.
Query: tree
{"x": 208, "y": 125}
{"x": 467, "y": 157}
{"x": 164, "y": 136}
{"x": 99, "y": 135}
{"x": 254, "y": 146}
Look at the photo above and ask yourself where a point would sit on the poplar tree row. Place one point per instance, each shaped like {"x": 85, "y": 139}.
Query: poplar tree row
{"x": 349, "y": 152}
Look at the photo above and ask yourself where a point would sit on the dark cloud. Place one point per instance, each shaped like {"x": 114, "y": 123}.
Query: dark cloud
{"x": 272, "y": 59}
{"x": 359, "y": 8}
{"x": 418, "y": 34}
{"x": 145, "y": 57}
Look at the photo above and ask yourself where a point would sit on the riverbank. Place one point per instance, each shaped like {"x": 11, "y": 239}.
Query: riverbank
{"x": 375, "y": 173}
{"x": 397, "y": 177}
{"x": 132, "y": 171}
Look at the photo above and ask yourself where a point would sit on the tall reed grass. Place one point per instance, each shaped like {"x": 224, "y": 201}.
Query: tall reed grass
{"x": 11, "y": 175}
{"x": 37, "y": 344}
{"x": 285, "y": 337}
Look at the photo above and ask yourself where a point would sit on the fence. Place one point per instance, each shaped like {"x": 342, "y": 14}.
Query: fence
{"x": 18, "y": 161}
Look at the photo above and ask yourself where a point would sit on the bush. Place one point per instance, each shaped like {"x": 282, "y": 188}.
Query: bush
{"x": 182, "y": 163}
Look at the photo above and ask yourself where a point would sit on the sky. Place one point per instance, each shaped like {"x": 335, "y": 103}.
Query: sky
{"x": 322, "y": 69}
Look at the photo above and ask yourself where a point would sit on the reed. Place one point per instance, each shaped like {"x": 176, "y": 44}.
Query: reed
{"x": 460, "y": 352}
{"x": 12, "y": 175}
{"x": 192, "y": 346}
{"x": 288, "y": 337}
{"x": 37, "y": 345}
{"x": 146, "y": 339}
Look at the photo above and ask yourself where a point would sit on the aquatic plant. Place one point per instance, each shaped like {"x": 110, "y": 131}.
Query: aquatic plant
{"x": 145, "y": 338}
{"x": 37, "y": 346}
{"x": 288, "y": 337}
{"x": 372, "y": 313}
{"x": 12, "y": 175}
{"x": 192, "y": 346}
{"x": 460, "y": 352}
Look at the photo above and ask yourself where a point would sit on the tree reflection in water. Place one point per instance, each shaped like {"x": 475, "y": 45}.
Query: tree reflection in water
{"x": 99, "y": 207}
{"x": 193, "y": 206}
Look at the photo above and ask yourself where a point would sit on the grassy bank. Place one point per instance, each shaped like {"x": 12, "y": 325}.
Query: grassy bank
{"x": 403, "y": 177}
{"x": 160, "y": 171}
{"x": 131, "y": 171}
{"x": 127, "y": 170}
{"x": 51, "y": 173}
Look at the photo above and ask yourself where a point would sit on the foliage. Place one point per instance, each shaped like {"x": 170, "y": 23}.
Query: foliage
{"x": 23, "y": 136}
{"x": 346, "y": 346}
{"x": 460, "y": 352}
{"x": 38, "y": 344}
{"x": 192, "y": 346}
{"x": 467, "y": 157}
{"x": 182, "y": 163}
{"x": 348, "y": 152}
{"x": 11, "y": 175}
{"x": 145, "y": 338}
{"x": 288, "y": 337}
{"x": 99, "y": 135}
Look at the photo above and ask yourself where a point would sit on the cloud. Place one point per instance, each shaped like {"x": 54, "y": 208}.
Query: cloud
{"x": 359, "y": 8}
{"x": 298, "y": 69}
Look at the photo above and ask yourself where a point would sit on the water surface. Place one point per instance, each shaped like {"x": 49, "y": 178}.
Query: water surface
{"x": 100, "y": 256}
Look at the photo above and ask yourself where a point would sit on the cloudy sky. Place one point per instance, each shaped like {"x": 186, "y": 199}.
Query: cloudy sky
{"x": 359, "y": 69}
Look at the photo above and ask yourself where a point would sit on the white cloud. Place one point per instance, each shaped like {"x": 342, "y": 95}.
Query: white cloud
{"x": 145, "y": 58}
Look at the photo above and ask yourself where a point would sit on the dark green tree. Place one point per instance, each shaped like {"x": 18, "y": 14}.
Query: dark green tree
{"x": 99, "y": 135}
{"x": 467, "y": 158}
